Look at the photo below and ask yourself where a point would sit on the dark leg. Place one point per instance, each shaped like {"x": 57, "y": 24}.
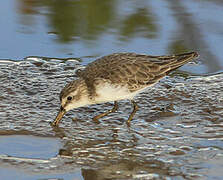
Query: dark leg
{"x": 135, "y": 108}
{"x": 108, "y": 112}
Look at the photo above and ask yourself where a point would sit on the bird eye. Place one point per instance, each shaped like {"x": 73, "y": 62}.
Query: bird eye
{"x": 69, "y": 98}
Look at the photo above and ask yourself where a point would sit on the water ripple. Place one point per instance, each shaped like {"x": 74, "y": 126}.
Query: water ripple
{"x": 176, "y": 132}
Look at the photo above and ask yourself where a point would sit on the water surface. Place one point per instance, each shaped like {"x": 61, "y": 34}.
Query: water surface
{"x": 177, "y": 132}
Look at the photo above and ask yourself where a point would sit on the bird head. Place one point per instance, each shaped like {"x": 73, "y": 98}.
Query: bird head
{"x": 73, "y": 95}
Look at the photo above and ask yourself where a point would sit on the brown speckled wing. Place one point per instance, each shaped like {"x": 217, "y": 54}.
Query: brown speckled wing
{"x": 135, "y": 70}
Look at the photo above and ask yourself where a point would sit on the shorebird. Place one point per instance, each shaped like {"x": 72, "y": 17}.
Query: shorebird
{"x": 117, "y": 77}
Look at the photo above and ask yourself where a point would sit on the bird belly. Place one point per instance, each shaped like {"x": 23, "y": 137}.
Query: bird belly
{"x": 108, "y": 92}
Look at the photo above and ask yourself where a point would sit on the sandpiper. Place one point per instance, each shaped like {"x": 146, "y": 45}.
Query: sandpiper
{"x": 116, "y": 77}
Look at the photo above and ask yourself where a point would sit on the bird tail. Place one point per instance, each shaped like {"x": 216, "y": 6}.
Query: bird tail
{"x": 181, "y": 59}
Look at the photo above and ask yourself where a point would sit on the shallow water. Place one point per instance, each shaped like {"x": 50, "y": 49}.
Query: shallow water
{"x": 177, "y": 132}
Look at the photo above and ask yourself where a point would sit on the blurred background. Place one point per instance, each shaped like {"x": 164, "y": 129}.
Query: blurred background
{"x": 88, "y": 29}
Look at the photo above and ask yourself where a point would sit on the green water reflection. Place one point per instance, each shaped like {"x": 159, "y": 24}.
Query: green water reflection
{"x": 88, "y": 19}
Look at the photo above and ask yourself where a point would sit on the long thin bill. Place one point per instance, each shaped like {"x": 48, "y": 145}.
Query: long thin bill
{"x": 58, "y": 118}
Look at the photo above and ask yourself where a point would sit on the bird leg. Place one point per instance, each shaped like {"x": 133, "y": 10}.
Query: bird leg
{"x": 135, "y": 108}
{"x": 107, "y": 112}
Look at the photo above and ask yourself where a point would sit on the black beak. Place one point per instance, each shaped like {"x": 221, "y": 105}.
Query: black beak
{"x": 59, "y": 116}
